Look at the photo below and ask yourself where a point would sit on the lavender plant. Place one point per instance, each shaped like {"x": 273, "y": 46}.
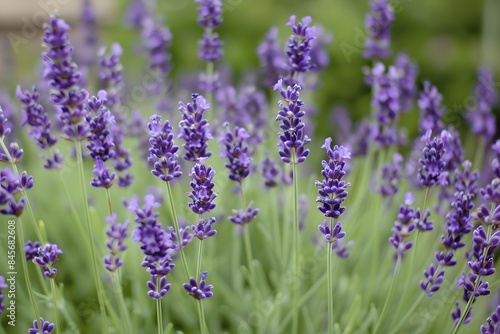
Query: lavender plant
{"x": 265, "y": 258}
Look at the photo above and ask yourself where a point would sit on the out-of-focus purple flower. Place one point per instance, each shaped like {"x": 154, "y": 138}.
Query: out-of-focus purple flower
{"x": 242, "y": 217}
{"x": 341, "y": 249}
{"x": 293, "y": 138}
{"x": 386, "y": 98}
{"x": 431, "y": 111}
{"x": 202, "y": 194}
{"x": 47, "y": 327}
{"x": 378, "y": 24}
{"x": 86, "y": 54}
{"x": 31, "y": 248}
{"x": 47, "y": 256}
{"x": 272, "y": 58}
{"x": 203, "y": 229}
{"x": 121, "y": 159}
{"x": 270, "y": 172}
{"x": 457, "y": 314}
{"x": 11, "y": 185}
{"x": 404, "y": 225}
{"x": 432, "y": 162}
{"x": 163, "y": 151}
{"x": 408, "y": 72}
{"x": 235, "y": 149}
{"x": 210, "y": 13}
{"x": 194, "y": 128}
{"x": 137, "y": 12}
{"x": 391, "y": 174}
{"x": 99, "y": 118}
{"x": 210, "y": 17}
{"x": 480, "y": 116}
{"x": 14, "y": 152}
{"x": 64, "y": 77}
{"x": 199, "y": 290}
{"x": 319, "y": 53}
{"x": 493, "y": 322}
{"x": 157, "y": 41}
{"x": 3, "y": 286}
{"x": 110, "y": 74}
{"x": 332, "y": 192}
{"x": 40, "y": 131}
{"x": 117, "y": 233}
{"x": 299, "y": 47}
{"x": 210, "y": 47}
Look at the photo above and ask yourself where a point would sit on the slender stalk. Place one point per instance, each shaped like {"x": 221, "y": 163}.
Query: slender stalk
{"x": 126, "y": 324}
{"x": 295, "y": 323}
{"x": 24, "y": 264}
{"x": 410, "y": 312}
{"x": 108, "y": 196}
{"x": 330, "y": 284}
{"x": 159, "y": 316}
{"x": 201, "y": 314}
{"x": 54, "y": 301}
{"x": 100, "y": 291}
{"x": 201, "y": 317}
{"x": 389, "y": 294}
{"x": 176, "y": 225}
{"x": 248, "y": 249}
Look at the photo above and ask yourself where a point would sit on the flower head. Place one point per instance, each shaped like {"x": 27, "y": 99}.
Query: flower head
{"x": 199, "y": 290}
{"x": 235, "y": 149}
{"x": 47, "y": 256}
{"x": 117, "y": 233}
{"x": 202, "y": 194}
{"x": 299, "y": 45}
{"x": 47, "y": 327}
{"x": 163, "y": 152}
{"x": 432, "y": 163}
{"x": 378, "y": 23}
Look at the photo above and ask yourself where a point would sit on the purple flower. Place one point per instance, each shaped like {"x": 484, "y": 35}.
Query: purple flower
{"x": 235, "y": 149}
{"x": 332, "y": 192}
{"x": 293, "y": 139}
{"x": 378, "y": 23}
{"x": 331, "y": 234}
{"x": 35, "y": 116}
{"x": 434, "y": 277}
{"x": 493, "y": 321}
{"x": 271, "y": 58}
{"x": 121, "y": 159}
{"x": 199, "y": 290}
{"x": 47, "y": 256}
{"x": 391, "y": 174}
{"x": 157, "y": 42}
{"x": 404, "y": 225}
{"x": 64, "y": 77}
{"x": 137, "y": 12}
{"x": 319, "y": 53}
{"x": 158, "y": 286}
{"x": 194, "y": 128}
{"x": 241, "y": 217}
{"x": 431, "y": 111}
{"x": 14, "y": 152}
{"x": 270, "y": 172}
{"x": 47, "y": 327}
{"x": 117, "y": 233}
{"x": 299, "y": 47}
{"x": 203, "y": 229}
{"x": 11, "y": 185}
{"x": 163, "y": 151}
{"x": 202, "y": 194}
{"x": 210, "y": 12}
{"x": 480, "y": 116}
{"x": 86, "y": 55}
{"x": 457, "y": 314}
{"x": 99, "y": 118}
{"x": 110, "y": 75}
{"x": 408, "y": 72}
{"x": 2, "y": 287}
{"x": 31, "y": 248}
{"x": 432, "y": 163}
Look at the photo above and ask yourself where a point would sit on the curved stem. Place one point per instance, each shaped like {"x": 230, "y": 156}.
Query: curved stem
{"x": 54, "y": 300}
{"x": 330, "y": 284}
{"x": 159, "y": 316}
{"x": 100, "y": 291}
{"x": 26, "y": 275}
{"x": 176, "y": 225}
{"x": 296, "y": 292}
{"x": 126, "y": 324}
{"x": 389, "y": 295}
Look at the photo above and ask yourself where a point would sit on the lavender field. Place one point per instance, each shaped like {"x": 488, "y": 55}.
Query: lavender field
{"x": 215, "y": 166}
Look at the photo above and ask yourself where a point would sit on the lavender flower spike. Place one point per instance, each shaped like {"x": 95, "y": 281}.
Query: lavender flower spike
{"x": 202, "y": 194}
{"x": 331, "y": 234}
{"x": 235, "y": 149}
{"x": 163, "y": 151}
{"x": 47, "y": 256}
{"x": 493, "y": 323}
{"x": 432, "y": 162}
{"x": 300, "y": 45}
{"x": 194, "y": 128}
{"x": 332, "y": 190}
{"x": 47, "y": 327}
{"x": 241, "y": 217}
{"x": 117, "y": 233}
{"x": 210, "y": 12}
{"x": 203, "y": 229}
{"x": 199, "y": 290}
{"x": 404, "y": 225}
{"x": 293, "y": 138}
{"x": 378, "y": 23}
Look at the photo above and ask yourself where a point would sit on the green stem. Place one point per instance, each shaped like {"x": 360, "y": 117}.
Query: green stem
{"x": 100, "y": 291}
{"x": 330, "y": 284}
{"x": 410, "y": 312}
{"x": 25, "y": 271}
{"x": 54, "y": 300}
{"x": 176, "y": 225}
{"x": 201, "y": 314}
{"x": 126, "y": 324}
{"x": 110, "y": 208}
{"x": 248, "y": 249}
{"x": 159, "y": 316}
{"x": 201, "y": 317}
{"x": 389, "y": 295}
{"x": 296, "y": 292}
